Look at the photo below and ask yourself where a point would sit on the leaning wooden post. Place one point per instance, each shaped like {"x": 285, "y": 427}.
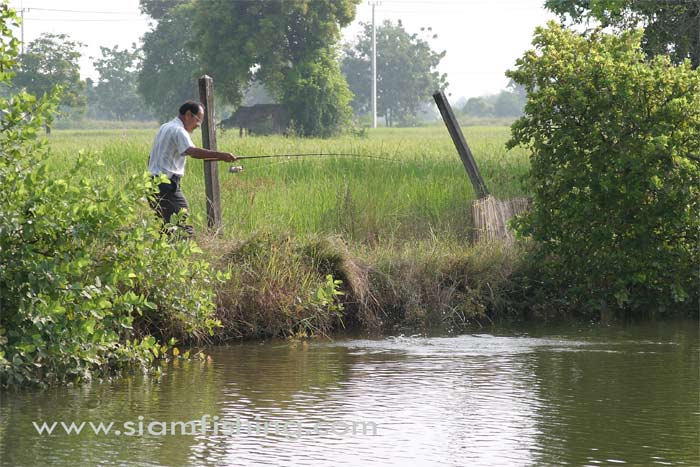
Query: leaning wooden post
{"x": 489, "y": 214}
{"x": 458, "y": 138}
{"x": 211, "y": 169}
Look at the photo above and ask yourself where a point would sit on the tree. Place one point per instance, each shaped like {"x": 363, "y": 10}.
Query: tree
{"x": 317, "y": 96}
{"x": 507, "y": 104}
{"x": 169, "y": 70}
{"x": 615, "y": 170}
{"x": 238, "y": 42}
{"x": 406, "y": 71}
{"x": 672, "y": 27}
{"x": 285, "y": 45}
{"x": 49, "y": 61}
{"x": 115, "y": 96}
{"x": 478, "y": 107}
{"x": 158, "y": 9}
{"x": 256, "y": 93}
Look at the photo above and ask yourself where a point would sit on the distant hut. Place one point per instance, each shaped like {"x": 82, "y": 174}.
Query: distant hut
{"x": 263, "y": 119}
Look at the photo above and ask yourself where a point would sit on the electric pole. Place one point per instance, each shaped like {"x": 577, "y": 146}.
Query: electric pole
{"x": 374, "y": 3}
{"x": 21, "y": 28}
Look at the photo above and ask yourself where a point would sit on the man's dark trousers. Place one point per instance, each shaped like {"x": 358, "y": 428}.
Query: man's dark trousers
{"x": 171, "y": 200}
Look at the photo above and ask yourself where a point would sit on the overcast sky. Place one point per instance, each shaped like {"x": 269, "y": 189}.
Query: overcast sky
{"x": 482, "y": 38}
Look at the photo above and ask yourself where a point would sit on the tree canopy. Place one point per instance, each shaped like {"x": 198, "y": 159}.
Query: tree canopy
{"x": 276, "y": 43}
{"x": 672, "y": 27}
{"x": 115, "y": 95}
{"x": 52, "y": 60}
{"x": 407, "y": 73}
{"x": 170, "y": 68}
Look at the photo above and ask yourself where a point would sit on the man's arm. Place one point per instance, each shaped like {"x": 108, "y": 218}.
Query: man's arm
{"x": 207, "y": 154}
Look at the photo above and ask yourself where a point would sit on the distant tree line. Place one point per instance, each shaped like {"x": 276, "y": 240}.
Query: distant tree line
{"x": 48, "y": 61}
{"x": 52, "y": 60}
{"x": 508, "y": 103}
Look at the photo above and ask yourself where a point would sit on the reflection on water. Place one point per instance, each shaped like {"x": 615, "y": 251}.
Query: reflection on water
{"x": 574, "y": 397}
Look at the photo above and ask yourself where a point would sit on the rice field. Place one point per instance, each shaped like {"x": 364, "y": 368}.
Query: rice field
{"x": 403, "y": 184}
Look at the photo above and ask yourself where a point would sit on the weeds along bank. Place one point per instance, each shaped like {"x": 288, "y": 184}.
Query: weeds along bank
{"x": 392, "y": 224}
{"x": 284, "y": 286}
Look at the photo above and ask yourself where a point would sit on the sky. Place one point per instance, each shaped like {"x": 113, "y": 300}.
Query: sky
{"x": 481, "y": 38}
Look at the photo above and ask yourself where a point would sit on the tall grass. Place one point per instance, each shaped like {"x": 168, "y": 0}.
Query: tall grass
{"x": 404, "y": 183}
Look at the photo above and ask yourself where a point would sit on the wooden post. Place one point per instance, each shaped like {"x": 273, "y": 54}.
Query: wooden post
{"x": 211, "y": 169}
{"x": 458, "y": 138}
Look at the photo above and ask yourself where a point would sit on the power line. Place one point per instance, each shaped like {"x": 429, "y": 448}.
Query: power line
{"x": 81, "y": 11}
{"x": 72, "y": 20}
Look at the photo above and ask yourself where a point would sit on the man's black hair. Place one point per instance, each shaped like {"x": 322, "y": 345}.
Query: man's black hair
{"x": 192, "y": 106}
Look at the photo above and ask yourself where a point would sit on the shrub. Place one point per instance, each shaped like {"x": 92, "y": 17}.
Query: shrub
{"x": 615, "y": 173}
{"x": 85, "y": 274}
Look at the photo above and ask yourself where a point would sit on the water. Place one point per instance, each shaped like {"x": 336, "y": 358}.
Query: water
{"x": 580, "y": 396}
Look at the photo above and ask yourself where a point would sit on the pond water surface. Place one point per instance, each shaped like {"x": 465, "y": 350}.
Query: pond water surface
{"x": 576, "y": 396}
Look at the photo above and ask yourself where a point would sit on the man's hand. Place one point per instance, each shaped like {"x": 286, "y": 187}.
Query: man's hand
{"x": 228, "y": 157}
{"x": 209, "y": 155}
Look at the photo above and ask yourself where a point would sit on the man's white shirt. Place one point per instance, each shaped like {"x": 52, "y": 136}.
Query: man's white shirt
{"x": 168, "y": 153}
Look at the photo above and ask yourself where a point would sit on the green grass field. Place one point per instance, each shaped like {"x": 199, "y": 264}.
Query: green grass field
{"x": 420, "y": 192}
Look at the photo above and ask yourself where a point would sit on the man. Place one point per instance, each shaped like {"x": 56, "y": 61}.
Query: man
{"x": 168, "y": 157}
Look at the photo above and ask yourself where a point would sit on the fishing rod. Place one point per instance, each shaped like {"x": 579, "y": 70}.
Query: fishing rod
{"x": 236, "y": 169}
{"x": 318, "y": 154}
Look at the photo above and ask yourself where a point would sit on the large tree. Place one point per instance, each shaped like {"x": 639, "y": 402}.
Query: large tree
{"x": 170, "y": 67}
{"x": 271, "y": 41}
{"x": 316, "y": 95}
{"x": 672, "y": 27}
{"x": 115, "y": 96}
{"x": 406, "y": 71}
{"x": 52, "y": 60}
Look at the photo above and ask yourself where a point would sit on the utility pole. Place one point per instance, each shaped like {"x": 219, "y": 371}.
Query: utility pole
{"x": 374, "y": 3}
{"x": 21, "y": 28}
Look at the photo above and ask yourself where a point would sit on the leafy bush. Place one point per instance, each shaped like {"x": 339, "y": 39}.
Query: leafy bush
{"x": 85, "y": 273}
{"x": 615, "y": 142}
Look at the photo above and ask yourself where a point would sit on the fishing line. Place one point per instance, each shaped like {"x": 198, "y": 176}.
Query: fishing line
{"x": 236, "y": 169}
{"x": 319, "y": 154}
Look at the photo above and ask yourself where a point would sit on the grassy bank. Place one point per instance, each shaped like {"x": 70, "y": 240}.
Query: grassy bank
{"x": 281, "y": 286}
{"x": 392, "y": 224}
